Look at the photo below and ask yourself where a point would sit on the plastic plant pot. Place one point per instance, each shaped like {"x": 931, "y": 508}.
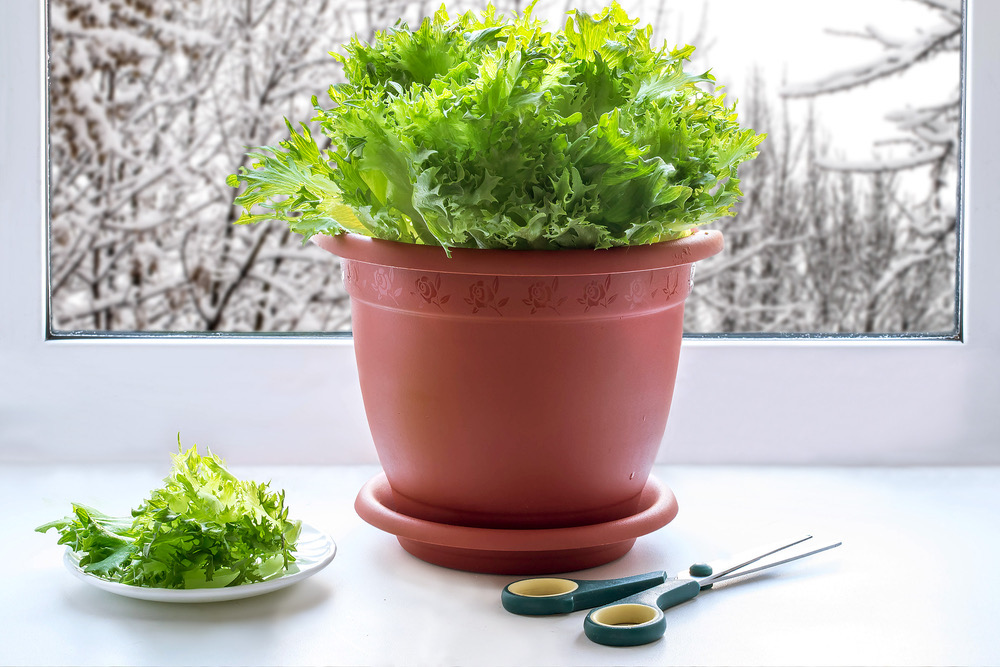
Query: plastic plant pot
{"x": 517, "y": 389}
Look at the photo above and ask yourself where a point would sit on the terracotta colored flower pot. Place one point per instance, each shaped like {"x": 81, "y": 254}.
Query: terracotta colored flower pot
{"x": 517, "y": 389}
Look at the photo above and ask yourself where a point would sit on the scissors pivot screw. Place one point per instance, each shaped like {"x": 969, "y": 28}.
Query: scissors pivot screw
{"x": 700, "y": 570}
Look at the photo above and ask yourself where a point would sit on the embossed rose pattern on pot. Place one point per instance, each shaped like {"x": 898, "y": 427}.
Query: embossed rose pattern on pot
{"x": 544, "y": 294}
{"x": 518, "y": 296}
{"x": 429, "y": 289}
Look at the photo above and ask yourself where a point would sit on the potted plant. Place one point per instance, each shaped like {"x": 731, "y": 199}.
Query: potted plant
{"x": 516, "y": 214}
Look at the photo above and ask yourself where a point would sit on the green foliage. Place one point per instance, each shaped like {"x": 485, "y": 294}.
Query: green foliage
{"x": 489, "y": 131}
{"x": 204, "y": 528}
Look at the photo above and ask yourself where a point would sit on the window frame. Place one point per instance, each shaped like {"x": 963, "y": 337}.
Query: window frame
{"x": 295, "y": 399}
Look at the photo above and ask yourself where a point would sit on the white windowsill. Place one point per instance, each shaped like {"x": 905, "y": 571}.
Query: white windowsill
{"x": 912, "y": 583}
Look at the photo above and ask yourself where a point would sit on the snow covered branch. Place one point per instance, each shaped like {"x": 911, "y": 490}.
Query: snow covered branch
{"x": 899, "y": 56}
{"x": 920, "y": 158}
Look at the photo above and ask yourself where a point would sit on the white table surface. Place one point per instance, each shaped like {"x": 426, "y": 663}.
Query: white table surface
{"x": 916, "y": 582}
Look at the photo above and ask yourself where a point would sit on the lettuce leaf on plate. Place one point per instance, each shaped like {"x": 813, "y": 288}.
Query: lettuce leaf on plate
{"x": 203, "y": 528}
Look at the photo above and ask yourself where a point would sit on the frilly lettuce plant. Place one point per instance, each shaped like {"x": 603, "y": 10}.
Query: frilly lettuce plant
{"x": 487, "y": 131}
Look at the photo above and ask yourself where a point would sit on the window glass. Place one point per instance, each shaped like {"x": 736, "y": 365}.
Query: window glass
{"x": 848, "y": 224}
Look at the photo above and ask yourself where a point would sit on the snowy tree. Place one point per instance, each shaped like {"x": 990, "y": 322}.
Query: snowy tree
{"x": 824, "y": 244}
{"x": 103, "y": 154}
{"x": 815, "y": 250}
{"x": 153, "y": 103}
{"x": 930, "y": 131}
{"x": 924, "y": 236}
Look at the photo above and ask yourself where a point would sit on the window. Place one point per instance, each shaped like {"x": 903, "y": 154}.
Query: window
{"x": 295, "y": 399}
{"x": 848, "y": 225}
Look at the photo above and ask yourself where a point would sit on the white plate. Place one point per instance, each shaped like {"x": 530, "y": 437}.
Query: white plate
{"x": 313, "y": 552}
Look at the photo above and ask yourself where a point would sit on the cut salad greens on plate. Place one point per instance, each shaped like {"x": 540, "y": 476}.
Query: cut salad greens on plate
{"x": 204, "y": 528}
{"x": 314, "y": 550}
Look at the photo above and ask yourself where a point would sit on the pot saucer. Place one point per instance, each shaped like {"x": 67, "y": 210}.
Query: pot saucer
{"x": 516, "y": 551}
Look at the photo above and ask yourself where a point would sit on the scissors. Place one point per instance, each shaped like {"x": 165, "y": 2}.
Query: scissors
{"x": 629, "y": 610}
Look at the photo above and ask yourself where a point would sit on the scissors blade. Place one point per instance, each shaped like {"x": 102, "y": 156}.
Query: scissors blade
{"x": 714, "y": 579}
{"x": 742, "y": 560}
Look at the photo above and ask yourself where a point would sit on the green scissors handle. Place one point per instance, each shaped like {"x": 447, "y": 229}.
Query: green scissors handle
{"x": 638, "y": 619}
{"x": 555, "y": 595}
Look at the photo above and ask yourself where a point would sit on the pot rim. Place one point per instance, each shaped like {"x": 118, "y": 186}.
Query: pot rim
{"x": 569, "y": 262}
